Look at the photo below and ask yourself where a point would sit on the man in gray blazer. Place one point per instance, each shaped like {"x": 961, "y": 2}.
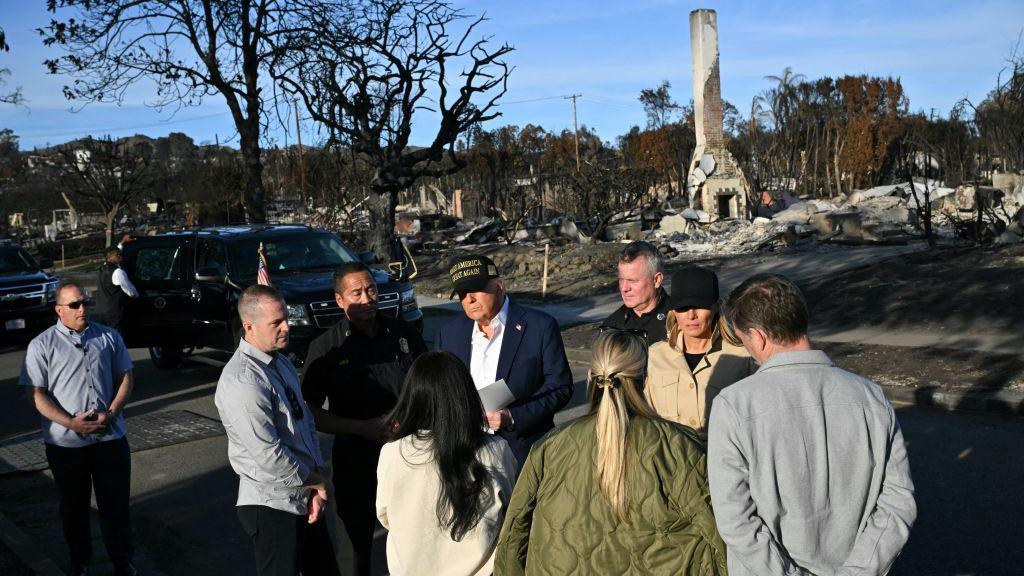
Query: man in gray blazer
{"x": 272, "y": 445}
{"x": 806, "y": 462}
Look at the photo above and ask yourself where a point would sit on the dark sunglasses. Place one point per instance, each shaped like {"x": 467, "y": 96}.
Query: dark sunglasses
{"x": 77, "y": 304}
{"x": 293, "y": 401}
{"x": 633, "y": 331}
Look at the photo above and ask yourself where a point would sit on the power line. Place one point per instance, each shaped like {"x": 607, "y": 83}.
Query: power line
{"x": 588, "y": 99}
{"x": 609, "y": 103}
{"x": 532, "y": 100}
{"x": 220, "y": 114}
{"x": 122, "y": 128}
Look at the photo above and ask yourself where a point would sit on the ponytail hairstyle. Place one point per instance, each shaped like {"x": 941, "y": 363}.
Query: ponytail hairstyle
{"x": 440, "y": 403}
{"x": 615, "y": 389}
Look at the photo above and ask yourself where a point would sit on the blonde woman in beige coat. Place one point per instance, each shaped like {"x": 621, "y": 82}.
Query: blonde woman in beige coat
{"x": 686, "y": 371}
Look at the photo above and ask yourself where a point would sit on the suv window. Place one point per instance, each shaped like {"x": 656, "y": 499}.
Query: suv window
{"x": 212, "y": 255}
{"x": 159, "y": 263}
{"x": 306, "y": 251}
{"x": 14, "y": 261}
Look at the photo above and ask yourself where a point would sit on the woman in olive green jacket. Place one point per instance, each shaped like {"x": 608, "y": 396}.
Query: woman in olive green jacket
{"x": 619, "y": 491}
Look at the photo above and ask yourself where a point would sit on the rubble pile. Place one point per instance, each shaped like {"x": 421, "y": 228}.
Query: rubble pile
{"x": 724, "y": 237}
{"x": 884, "y": 214}
{"x": 436, "y": 232}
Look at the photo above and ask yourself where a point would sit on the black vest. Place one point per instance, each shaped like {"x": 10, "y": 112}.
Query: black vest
{"x": 110, "y": 299}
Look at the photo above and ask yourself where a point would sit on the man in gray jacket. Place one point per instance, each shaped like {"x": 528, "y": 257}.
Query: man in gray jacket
{"x": 806, "y": 462}
{"x": 272, "y": 445}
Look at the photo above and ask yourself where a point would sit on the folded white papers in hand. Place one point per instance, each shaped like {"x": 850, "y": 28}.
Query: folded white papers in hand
{"x": 496, "y": 396}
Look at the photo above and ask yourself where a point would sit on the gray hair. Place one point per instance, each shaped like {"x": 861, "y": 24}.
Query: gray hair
{"x": 249, "y": 303}
{"x": 649, "y": 252}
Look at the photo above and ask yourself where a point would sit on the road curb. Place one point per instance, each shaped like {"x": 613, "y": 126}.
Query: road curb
{"x": 1003, "y": 402}
{"x": 29, "y": 553}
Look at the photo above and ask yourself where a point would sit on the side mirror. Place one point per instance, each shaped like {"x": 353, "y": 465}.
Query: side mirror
{"x": 367, "y": 257}
{"x": 46, "y": 262}
{"x": 209, "y": 274}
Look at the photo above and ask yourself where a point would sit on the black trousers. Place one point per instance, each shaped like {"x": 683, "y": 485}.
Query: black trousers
{"x": 106, "y": 468}
{"x": 286, "y": 544}
{"x": 355, "y": 491}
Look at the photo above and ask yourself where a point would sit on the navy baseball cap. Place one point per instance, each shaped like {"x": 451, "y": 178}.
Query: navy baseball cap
{"x": 693, "y": 287}
{"x": 472, "y": 273}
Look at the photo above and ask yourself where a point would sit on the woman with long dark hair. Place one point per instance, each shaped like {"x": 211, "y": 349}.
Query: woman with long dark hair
{"x": 618, "y": 491}
{"x": 444, "y": 484}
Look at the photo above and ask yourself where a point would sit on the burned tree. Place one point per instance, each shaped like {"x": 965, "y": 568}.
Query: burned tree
{"x": 999, "y": 119}
{"x": 365, "y": 69}
{"x": 190, "y": 49}
{"x": 659, "y": 105}
{"x": 110, "y": 173}
{"x": 15, "y": 96}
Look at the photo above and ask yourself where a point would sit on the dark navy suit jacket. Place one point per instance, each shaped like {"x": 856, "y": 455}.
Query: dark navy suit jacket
{"x": 532, "y": 361}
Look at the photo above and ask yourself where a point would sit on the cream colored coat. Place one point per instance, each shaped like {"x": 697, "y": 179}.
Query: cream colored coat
{"x": 685, "y": 397}
{"x": 408, "y": 487}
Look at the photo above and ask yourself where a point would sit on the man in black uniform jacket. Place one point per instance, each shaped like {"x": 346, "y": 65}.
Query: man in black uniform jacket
{"x": 358, "y": 366}
{"x": 644, "y": 300}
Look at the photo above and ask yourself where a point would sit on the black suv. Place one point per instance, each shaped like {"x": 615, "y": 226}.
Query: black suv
{"x": 27, "y": 292}
{"x": 190, "y": 282}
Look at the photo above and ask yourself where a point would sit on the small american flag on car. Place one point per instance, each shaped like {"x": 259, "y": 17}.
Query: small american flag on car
{"x": 262, "y": 276}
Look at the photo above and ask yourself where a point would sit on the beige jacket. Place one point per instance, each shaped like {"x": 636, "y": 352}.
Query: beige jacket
{"x": 684, "y": 397}
{"x": 408, "y": 487}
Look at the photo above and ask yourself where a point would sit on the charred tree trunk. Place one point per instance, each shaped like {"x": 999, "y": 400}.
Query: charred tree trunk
{"x": 924, "y": 212}
{"x": 252, "y": 155}
{"x": 380, "y": 237}
{"x": 838, "y": 171}
{"x": 249, "y": 128}
{"x": 108, "y": 219}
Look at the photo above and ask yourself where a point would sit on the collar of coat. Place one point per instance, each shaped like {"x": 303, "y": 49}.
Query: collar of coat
{"x": 796, "y": 358}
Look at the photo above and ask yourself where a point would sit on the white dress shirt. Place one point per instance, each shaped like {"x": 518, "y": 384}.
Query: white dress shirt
{"x": 483, "y": 360}
{"x": 120, "y": 278}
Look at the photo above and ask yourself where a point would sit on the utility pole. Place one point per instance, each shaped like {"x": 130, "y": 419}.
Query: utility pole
{"x": 302, "y": 170}
{"x": 575, "y": 127}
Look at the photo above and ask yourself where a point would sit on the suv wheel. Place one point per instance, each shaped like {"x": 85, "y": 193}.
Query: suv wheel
{"x": 166, "y": 358}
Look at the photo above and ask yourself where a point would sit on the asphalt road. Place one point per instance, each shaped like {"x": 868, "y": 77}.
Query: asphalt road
{"x": 966, "y": 467}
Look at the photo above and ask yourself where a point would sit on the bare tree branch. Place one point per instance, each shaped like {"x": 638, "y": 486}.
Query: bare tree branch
{"x": 110, "y": 173}
{"x": 190, "y": 49}
{"x": 365, "y": 69}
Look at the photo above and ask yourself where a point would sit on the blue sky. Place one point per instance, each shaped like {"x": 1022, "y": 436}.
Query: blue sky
{"x": 607, "y": 51}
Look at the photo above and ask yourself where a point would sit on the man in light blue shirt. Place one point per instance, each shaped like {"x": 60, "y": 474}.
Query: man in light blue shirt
{"x": 806, "y": 462}
{"x": 80, "y": 377}
{"x": 273, "y": 446}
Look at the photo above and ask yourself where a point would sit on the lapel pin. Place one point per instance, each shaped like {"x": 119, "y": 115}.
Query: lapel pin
{"x": 519, "y": 327}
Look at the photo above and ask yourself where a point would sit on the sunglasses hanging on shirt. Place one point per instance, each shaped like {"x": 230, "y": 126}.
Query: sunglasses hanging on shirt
{"x": 293, "y": 401}
{"x": 631, "y": 331}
